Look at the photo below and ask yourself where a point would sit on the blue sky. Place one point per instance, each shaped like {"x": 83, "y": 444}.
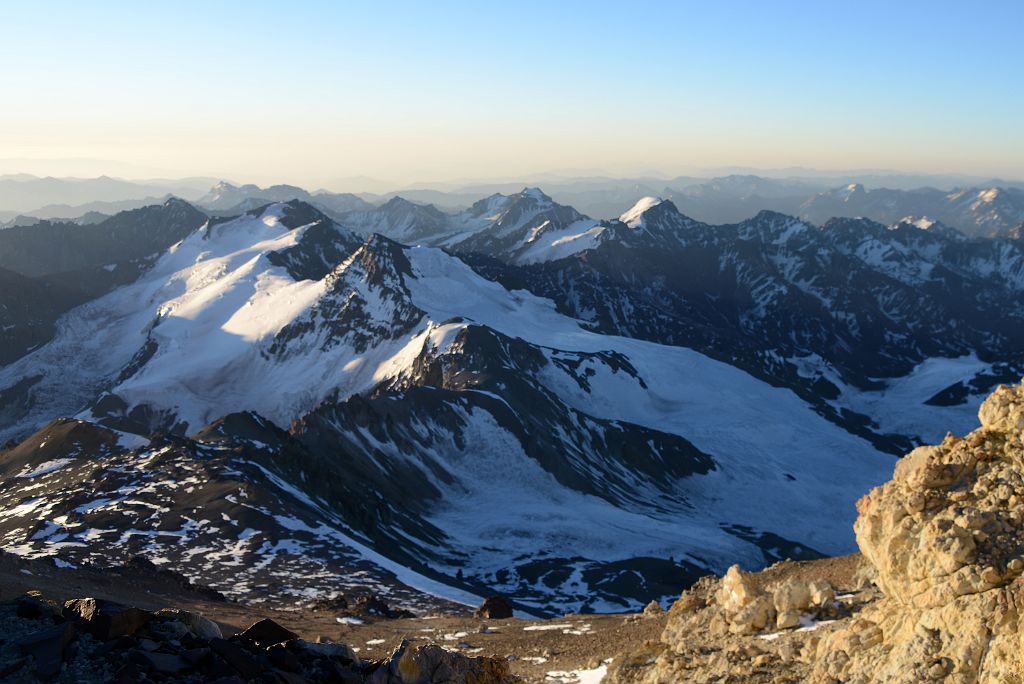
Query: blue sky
{"x": 317, "y": 91}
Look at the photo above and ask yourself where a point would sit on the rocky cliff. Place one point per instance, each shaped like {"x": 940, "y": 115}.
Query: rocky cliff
{"x": 936, "y": 595}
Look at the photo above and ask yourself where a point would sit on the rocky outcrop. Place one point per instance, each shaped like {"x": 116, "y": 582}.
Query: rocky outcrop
{"x": 946, "y": 538}
{"x": 90, "y": 640}
{"x": 494, "y": 608}
{"x": 939, "y": 595}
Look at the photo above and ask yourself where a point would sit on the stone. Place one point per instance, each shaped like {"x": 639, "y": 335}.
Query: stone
{"x": 736, "y": 590}
{"x": 788, "y": 619}
{"x": 198, "y": 625}
{"x": 494, "y": 608}
{"x": 752, "y": 617}
{"x": 47, "y": 648}
{"x": 33, "y": 607}
{"x": 432, "y": 664}
{"x": 327, "y": 650}
{"x": 821, "y": 593}
{"x": 939, "y": 567}
{"x": 377, "y": 607}
{"x": 105, "y": 620}
{"x": 196, "y": 656}
{"x": 290, "y": 677}
{"x": 939, "y": 592}
{"x": 653, "y": 609}
{"x": 240, "y": 660}
{"x": 283, "y": 659}
{"x": 792, "y": 596}
{"x": 266, "y": 633}
{"x": 166, "y": 663}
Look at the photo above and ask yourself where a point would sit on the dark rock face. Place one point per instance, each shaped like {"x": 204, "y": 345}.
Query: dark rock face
{"x": 169, "y": 647}
{"x": 522, "y": 216}
{"x": 104, "y": 619}
{"x": 865, "y": 300}
{"x": 47, "y": 648}
{"x": 494, "y": 608}
{"x": 48, "y": 248}
{"x": 324, "y": 244}
{"x": 367, "y": 302}
{"x": 266, "y": 633}
{"x": 49, "y": 268}
{"x": 236, "y": 483}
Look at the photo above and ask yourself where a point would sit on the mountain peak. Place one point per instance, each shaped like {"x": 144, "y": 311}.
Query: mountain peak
{"x": 851, "y": 190}
{"x": 535, "y": 193}
{"x": 634, "y": 217}
{"x": 398, "y": 202}
{"x": 990, "y": 194}
{"x": 292, "y": 214}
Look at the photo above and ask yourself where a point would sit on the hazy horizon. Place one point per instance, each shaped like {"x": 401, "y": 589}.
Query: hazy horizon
{"x": 322, "y": 93}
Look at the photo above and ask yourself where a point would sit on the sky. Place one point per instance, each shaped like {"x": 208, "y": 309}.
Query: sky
{"x": 318, "y": 93}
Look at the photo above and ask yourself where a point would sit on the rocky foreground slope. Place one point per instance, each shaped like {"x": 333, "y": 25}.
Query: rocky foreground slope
{"x": 938, "y": 596}
{"x": 91, "y": 640}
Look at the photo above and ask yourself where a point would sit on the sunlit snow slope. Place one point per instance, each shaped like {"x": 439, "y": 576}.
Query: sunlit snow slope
{"x": 450, "y": 424}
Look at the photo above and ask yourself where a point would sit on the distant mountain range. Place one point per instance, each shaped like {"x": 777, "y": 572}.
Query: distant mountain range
{"x": 513, "y": 397}
{"x": 991, "y": 208}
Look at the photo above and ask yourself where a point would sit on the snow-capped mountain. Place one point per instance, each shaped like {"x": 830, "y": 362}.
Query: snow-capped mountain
{"x": 828, "y": 312}
{"x": 577, "y": 414}
{"x": 471, "y": 433}
{"x": 48, "y": 268}
{"x": 399, "y": 219}
{"x": 987, "y": 211}
{"x": 227, "y": 199}
{"x": 523, "y": 228}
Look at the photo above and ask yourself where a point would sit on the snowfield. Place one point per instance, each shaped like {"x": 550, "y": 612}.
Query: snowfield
{"x": 199, "y": 336}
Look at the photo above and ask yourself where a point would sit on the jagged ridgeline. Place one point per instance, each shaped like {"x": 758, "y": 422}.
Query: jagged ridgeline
{"x": 434, "y": 406}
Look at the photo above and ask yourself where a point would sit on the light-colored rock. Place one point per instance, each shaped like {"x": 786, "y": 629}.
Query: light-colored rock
{"x": 653, "y": 609}
{"x": 788, "y": 619}
{"x": 792, "y": 596}
{"x": 432, "y": 664}
{"x": 821, "y": 593}
{"x": 943, "y": 541}
{"x": 736, "y": 591}
{"x": 953, "y": 608}
{"x": 752, "y": 617}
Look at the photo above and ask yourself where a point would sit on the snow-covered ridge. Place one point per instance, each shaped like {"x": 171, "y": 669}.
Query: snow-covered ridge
{"x": 634, "y": 216}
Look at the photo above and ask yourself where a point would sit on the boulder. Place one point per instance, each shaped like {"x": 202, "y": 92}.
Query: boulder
{"x": 374, "y": 606}
{"x": 752, "y": 617}
{"x": 197, "y": 624}
{"x": 787, "y": 619}
{"x": 105, "y": 620}
{"x": 47, "y": 648}
{"x": 435, "y": 665}
{"x": 494, "y": 608}
{"x": 165, "y": 663}
{"x": 266, "y": 633}
{"x": 33, "y": 606}
{"x": 237, "y": 658}
{"x": 736, "y": 590}
{"x": 821, "y": 593}
{"x": 792, "y": 596}
{"x": 342, "y": 652}
{"x": 653, "y": 609}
